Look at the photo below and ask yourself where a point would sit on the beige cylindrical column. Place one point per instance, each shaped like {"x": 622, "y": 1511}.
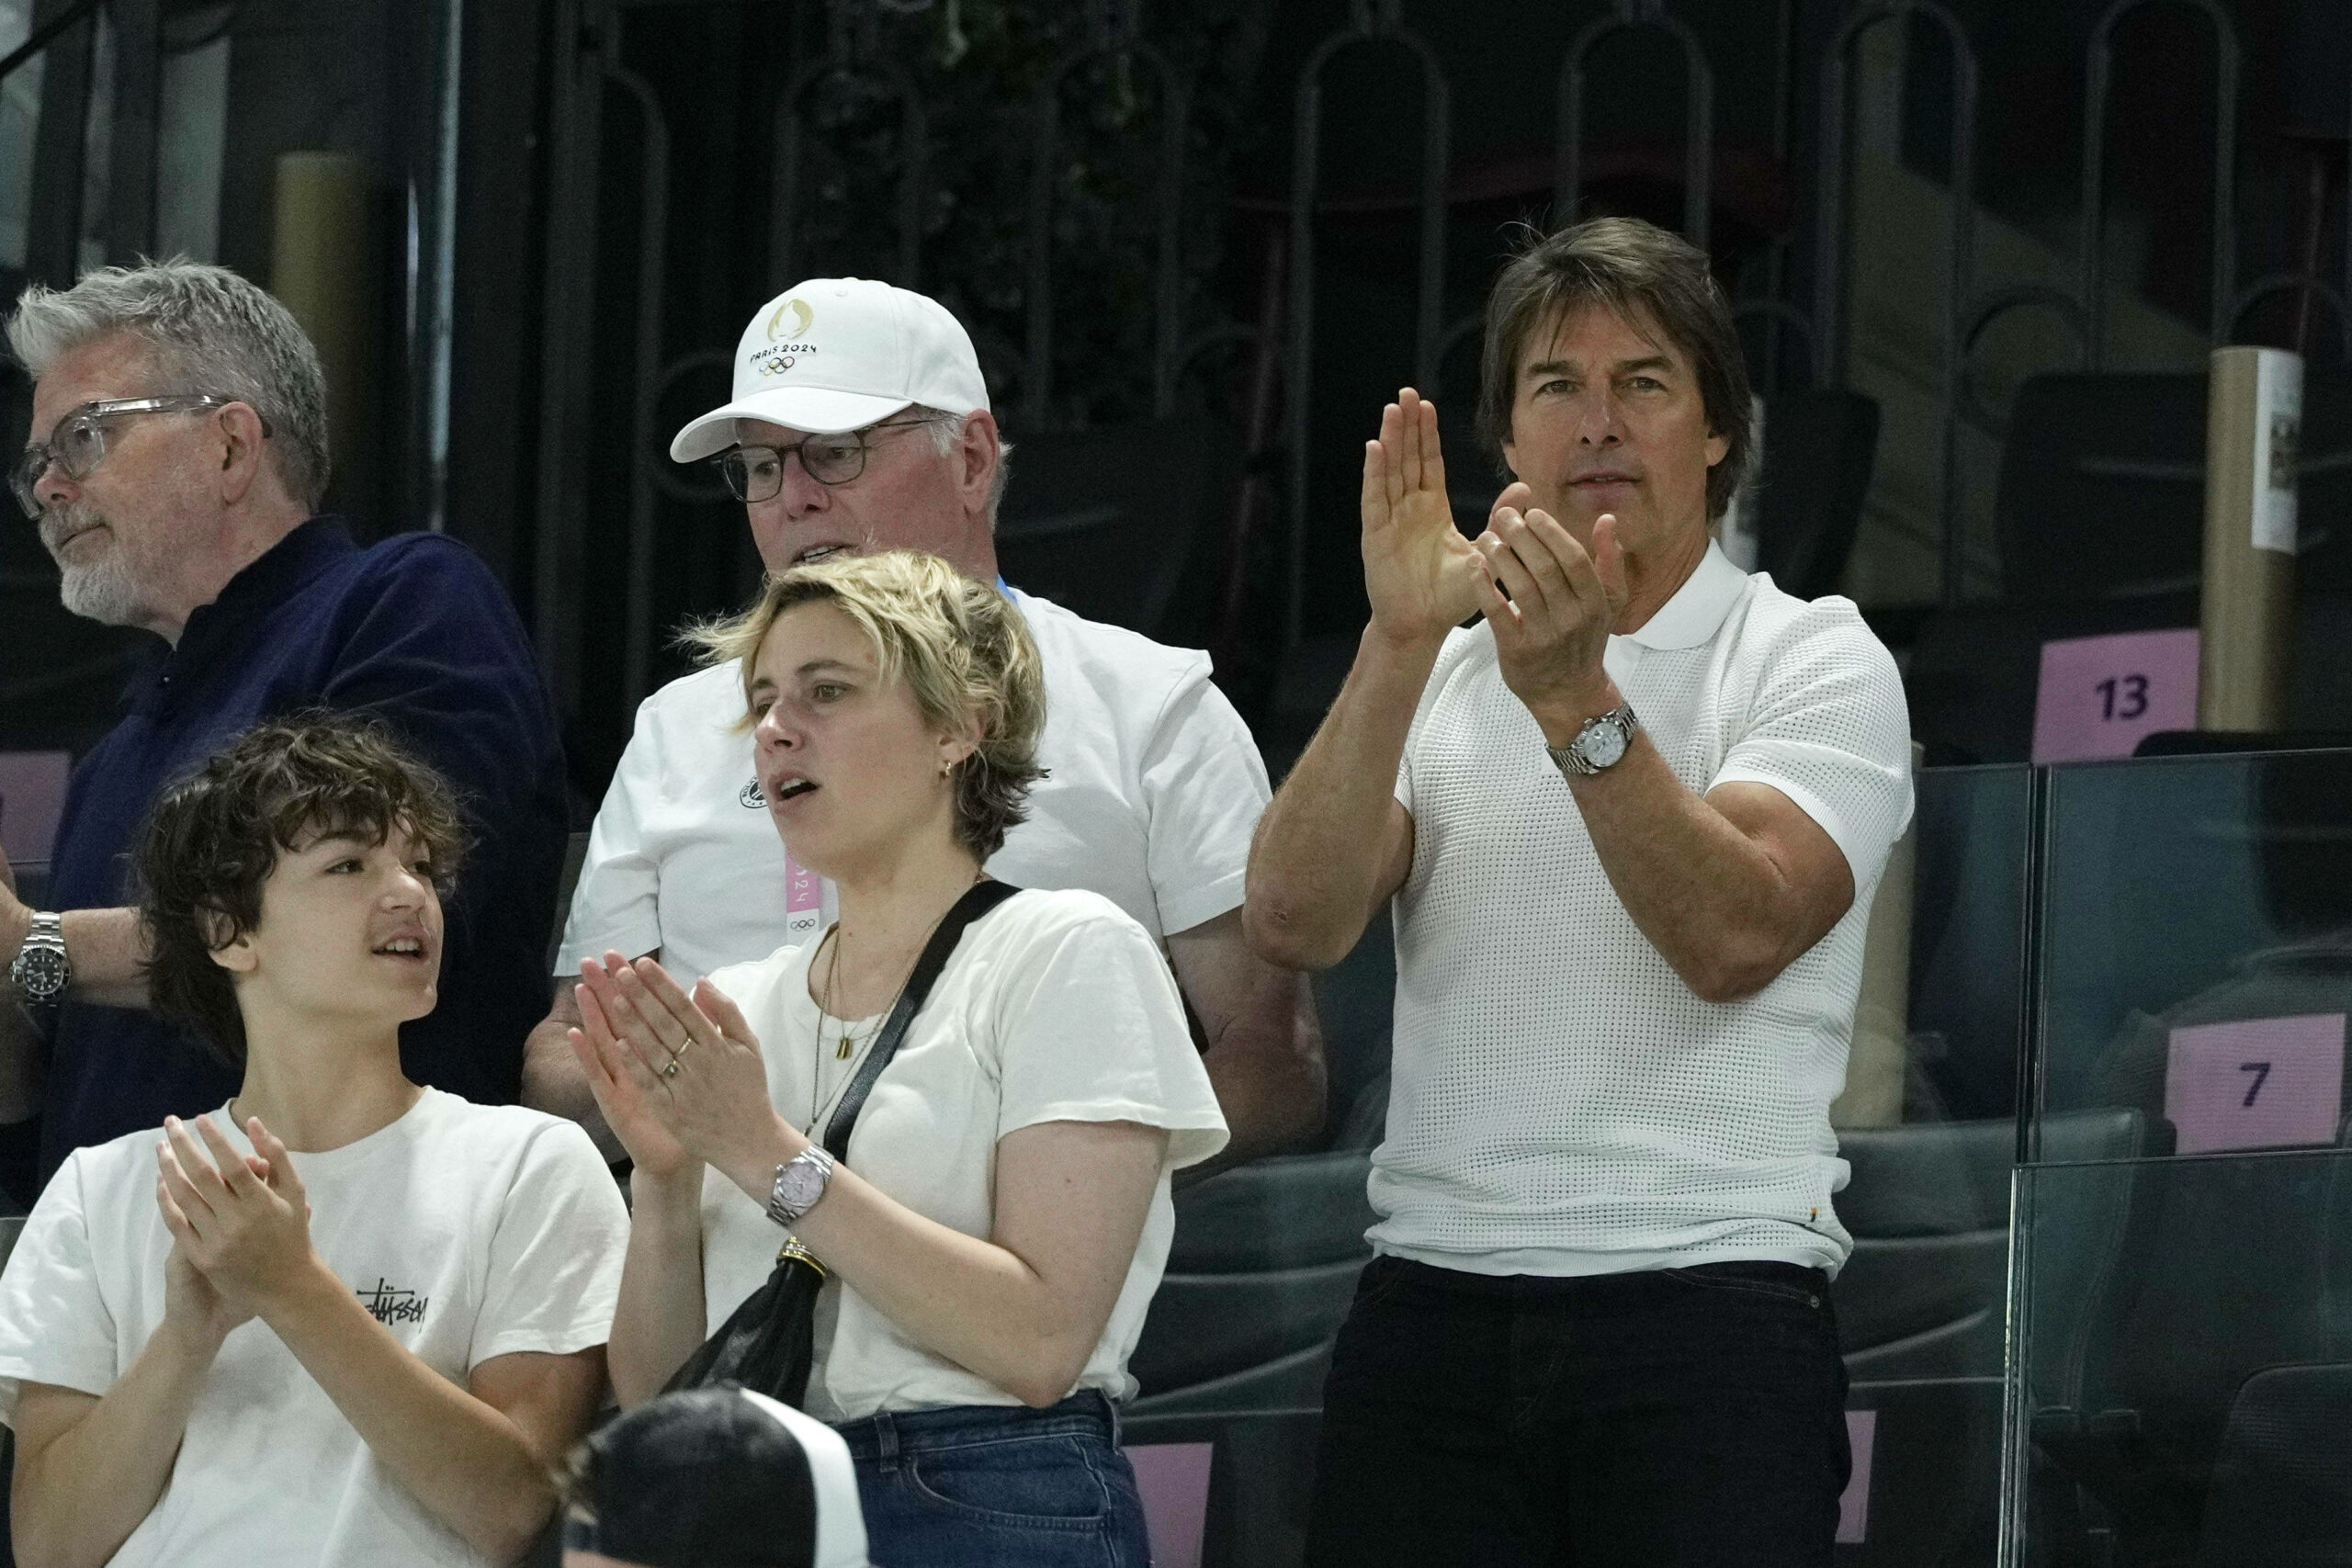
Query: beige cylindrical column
{"x": 1880, "y": 1056}
{"x": 2253, "y": 416}
{"x": 320, "y": 258}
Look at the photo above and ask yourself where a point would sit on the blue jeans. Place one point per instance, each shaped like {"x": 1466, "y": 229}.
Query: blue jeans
{"x": 1675, "y": 1418}
{"x": 995, "y": 1487}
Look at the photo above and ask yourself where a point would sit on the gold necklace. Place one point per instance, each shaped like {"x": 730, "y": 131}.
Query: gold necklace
{"x": 841, "y": 1046}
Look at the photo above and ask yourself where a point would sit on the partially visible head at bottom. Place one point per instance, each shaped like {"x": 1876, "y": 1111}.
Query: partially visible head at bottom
{"x": 712, "y": 1478}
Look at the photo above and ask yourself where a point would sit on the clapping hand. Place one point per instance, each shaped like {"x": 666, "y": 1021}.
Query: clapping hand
{"x": 1421, "y": 575}
{"x": 1554, "y": 612}
{"x": 240, "y": 1224}
{"x": 684, "y": 1072}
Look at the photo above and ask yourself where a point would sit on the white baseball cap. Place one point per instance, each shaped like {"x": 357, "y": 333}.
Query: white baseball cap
{"x": 836, "y": 354}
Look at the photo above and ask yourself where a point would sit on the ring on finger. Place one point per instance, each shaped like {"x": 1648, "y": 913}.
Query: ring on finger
{"x": 672, "y": 1070}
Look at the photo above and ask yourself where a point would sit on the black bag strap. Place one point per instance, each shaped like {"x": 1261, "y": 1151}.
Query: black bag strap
{"x": 978, "y": 900}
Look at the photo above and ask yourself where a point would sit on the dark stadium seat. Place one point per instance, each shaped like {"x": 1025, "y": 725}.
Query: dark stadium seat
{"x": 1819, "y": 448}
{"x": 1104, "y": 522}
{"x": 2282, "y": 1482}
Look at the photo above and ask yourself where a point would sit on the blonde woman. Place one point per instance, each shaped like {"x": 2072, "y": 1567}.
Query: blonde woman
{"x": 1003, "y": 1217}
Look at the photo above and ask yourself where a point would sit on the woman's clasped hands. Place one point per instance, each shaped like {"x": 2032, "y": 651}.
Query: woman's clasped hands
{"x": 679, "y": 1077}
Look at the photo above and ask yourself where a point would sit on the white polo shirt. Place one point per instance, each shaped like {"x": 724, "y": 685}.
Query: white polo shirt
{"x": 1563, "y": 1103}
{"x": 1153, "y": 787}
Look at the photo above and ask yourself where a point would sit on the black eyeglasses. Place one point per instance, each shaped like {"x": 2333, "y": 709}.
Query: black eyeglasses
{"x": 754, "y": 474}
{"x": 78, "y": 442}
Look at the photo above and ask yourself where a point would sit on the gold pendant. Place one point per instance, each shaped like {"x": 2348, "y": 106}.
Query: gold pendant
{"x": 841, "y": 1051}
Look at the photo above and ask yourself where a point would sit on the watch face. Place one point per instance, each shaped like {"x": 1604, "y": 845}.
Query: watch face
{"x": 40, "y": 972}
{"x": 801, "y": 1186}
{"x": 1601, "y": 744}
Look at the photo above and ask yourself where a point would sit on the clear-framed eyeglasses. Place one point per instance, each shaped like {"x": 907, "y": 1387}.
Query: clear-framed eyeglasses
{"x": 754, "y": 474}
{"x": 77, "y": 444}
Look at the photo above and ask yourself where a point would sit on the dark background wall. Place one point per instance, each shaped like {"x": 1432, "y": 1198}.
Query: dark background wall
{"x": 557, "y": 329}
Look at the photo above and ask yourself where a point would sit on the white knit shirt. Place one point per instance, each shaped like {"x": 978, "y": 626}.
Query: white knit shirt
{"x": 1563, "y": 1103}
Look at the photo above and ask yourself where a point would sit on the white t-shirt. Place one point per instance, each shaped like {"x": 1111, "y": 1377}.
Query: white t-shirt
{"x": 1563, "y": 1103}
{"x": 1152, "y": 791}
{"x": 470, "y": 1231}
{"x": 1056, "y": 1007}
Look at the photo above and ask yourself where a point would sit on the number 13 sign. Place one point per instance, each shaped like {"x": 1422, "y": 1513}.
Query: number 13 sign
{"x": 2100, "y": 694}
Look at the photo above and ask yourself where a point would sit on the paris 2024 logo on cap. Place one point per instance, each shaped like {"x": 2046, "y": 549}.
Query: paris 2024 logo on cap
{"x": 787, "y": 338}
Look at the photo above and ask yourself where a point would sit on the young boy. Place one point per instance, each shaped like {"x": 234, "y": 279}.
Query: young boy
{"x": 345, "y": 1320}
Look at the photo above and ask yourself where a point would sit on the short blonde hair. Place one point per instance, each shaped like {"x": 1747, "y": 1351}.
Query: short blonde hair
{"x": 961, "y": 649}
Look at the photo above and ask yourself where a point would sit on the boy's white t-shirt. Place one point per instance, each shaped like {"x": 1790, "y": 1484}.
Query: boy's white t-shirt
{"x": 1056, "y": 1007}
{"x": 1152, "y": 788}
{"x": 470, "y": 1231}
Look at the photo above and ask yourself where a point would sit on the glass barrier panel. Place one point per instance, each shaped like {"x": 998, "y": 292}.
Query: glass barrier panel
{"x": 2181, "y": 1383}
{"x": 1967, "y": 1005}
{"x": 2195, "y": 947}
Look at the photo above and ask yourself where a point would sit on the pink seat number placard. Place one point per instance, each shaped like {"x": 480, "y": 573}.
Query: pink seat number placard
{"x": 2263, "y": 1083}
{"x": 2100, "y": 694}
{"x": 1854, "y": 1506}
{"x": 1173, "y": 1480}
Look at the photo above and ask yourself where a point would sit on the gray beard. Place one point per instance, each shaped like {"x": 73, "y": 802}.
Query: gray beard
{"x": 99, "y": 591}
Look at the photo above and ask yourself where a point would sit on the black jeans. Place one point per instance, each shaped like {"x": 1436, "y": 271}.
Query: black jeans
{"x": 1676, "y": 1418}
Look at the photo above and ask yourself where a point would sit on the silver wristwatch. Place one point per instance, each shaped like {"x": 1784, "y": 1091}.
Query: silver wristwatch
{"x": 799, "y": 1182}
{"x": 41, "y": 971}
{"x": 1600, "y": 744}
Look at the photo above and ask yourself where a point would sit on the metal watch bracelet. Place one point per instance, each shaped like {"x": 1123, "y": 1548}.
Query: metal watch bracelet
{"x": 801, "y": 1181}
{"x": 40, "y": 972}
{"x": 1600, "y": 745}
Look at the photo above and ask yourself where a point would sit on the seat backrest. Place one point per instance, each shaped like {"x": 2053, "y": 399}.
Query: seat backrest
{"x": 2102, "y": 487}
{"x": 1820, "y": 446}
{"x": 2279, "y": 1493}
{"x": 1104, "y": 522}
{"x": 1356, "y": 1000}
{"x": 1930, "y": 1179}
{"x": 2228, "y": 1265}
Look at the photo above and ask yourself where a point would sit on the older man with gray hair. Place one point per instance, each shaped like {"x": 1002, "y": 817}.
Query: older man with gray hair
{"x": 860, "y": 421}
{"x": 176, "y": 465}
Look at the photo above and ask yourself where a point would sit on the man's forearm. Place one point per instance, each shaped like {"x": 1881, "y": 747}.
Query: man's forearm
{"x": 465, "y": 1461}
{"x": 658, "y": 1322}
{"x": 552, "y": 1078}
{"x": 106, "y": 947}
{"x": 78, "y": 1498}
{"x": 1710, "y": 898}
{"x": 1317, "y": 859}
{"x": 1267, "y": 1068}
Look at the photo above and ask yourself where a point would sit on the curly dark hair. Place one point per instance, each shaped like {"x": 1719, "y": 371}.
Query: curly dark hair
{"x": 213, "y": 839}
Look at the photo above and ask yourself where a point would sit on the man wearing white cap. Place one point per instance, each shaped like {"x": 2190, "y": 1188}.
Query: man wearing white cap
{"x": 860, "y": 422}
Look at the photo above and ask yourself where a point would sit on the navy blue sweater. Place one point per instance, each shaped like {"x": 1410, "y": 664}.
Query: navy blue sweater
{"x": 414, "y": 631}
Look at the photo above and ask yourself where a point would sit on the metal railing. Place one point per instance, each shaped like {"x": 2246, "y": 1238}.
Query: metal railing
{"x": 1964, "y": 312}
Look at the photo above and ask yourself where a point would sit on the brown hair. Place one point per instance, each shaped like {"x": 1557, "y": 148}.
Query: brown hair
{"x": 1628, "y": 267}
{"x": 212, "y": 840}
{"x": 961, "y": 649}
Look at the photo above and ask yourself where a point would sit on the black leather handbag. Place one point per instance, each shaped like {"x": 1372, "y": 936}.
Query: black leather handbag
{"x": 767, "y": 1344}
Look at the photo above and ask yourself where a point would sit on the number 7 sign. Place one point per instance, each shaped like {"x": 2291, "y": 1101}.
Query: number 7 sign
{"x": 2263, "y": 1083}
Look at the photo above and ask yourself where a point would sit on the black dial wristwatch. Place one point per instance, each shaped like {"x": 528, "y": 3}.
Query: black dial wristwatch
{"x": 1600, "y": 744}
{"x": 41, "y": 971}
